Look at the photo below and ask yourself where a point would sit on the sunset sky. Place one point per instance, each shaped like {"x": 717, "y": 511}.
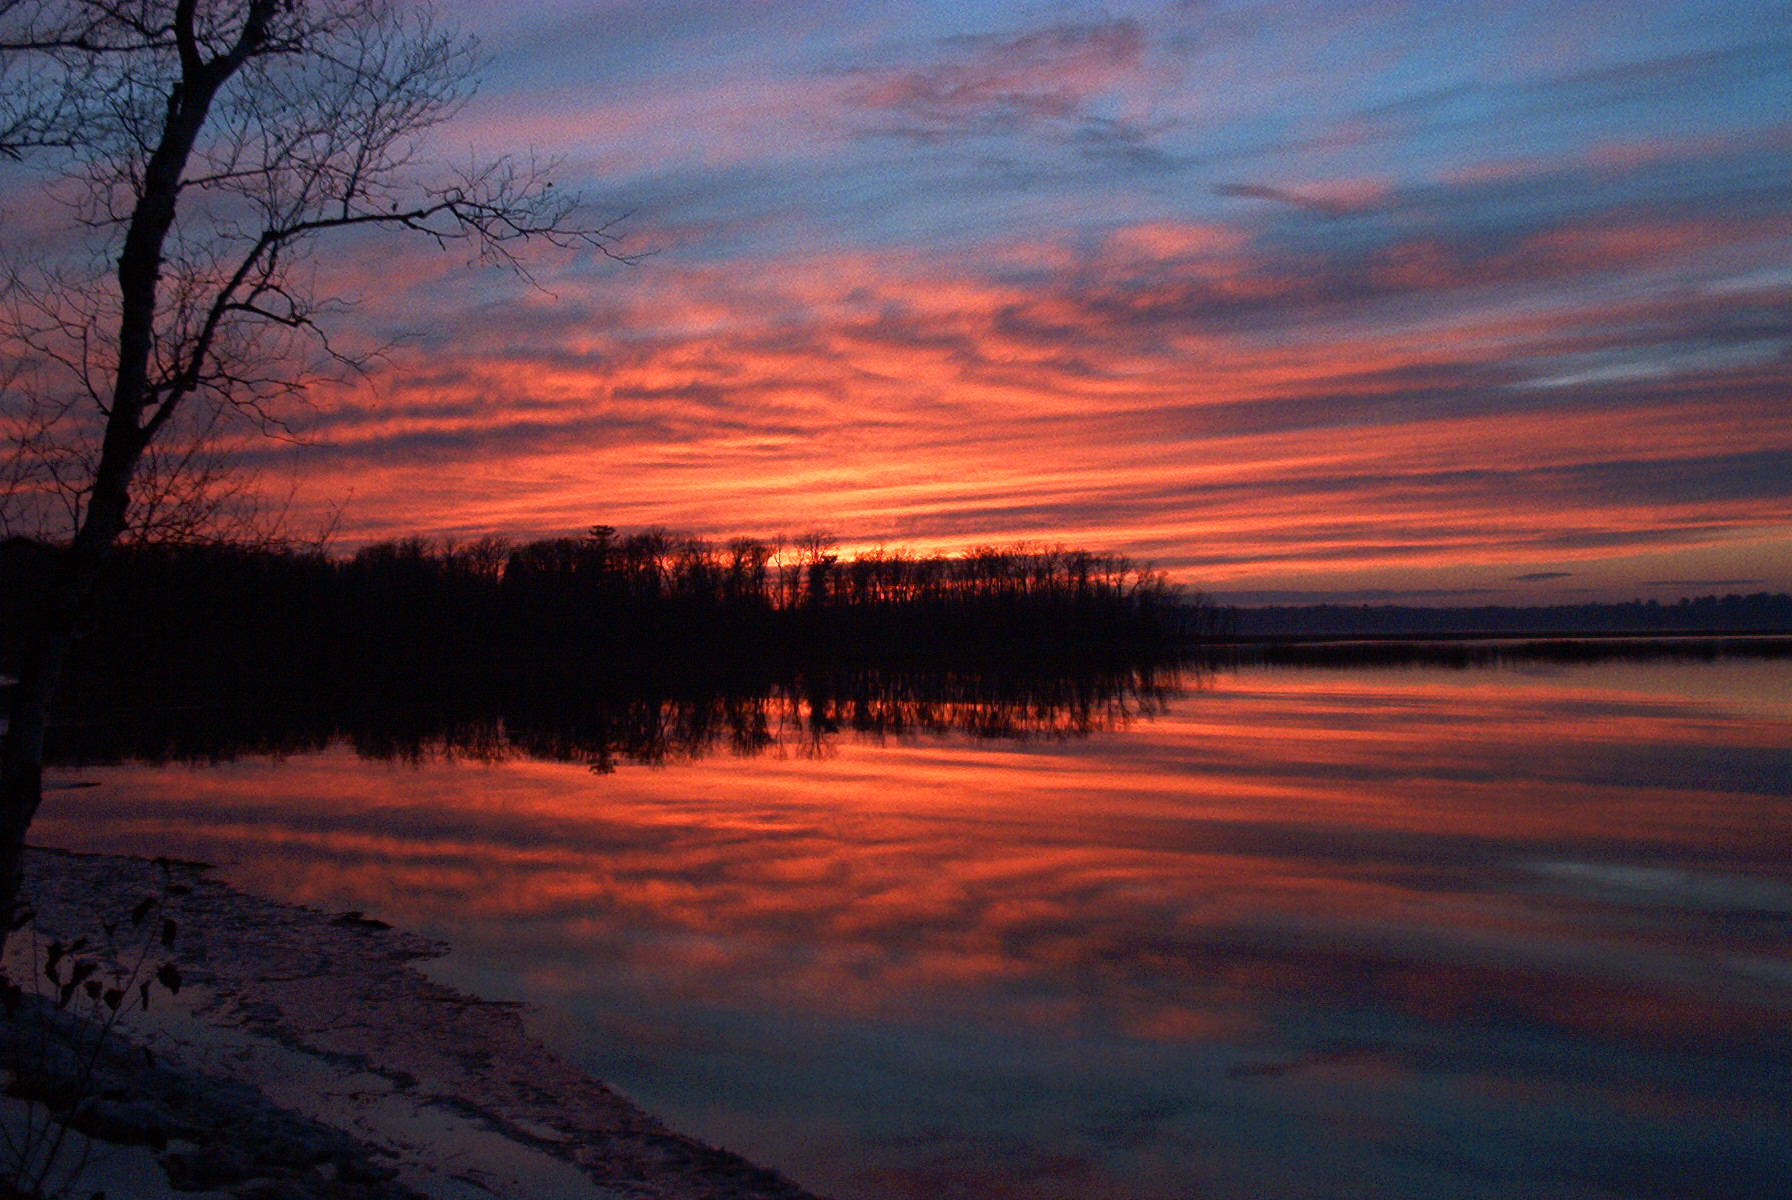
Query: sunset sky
{"x": 1443, "y": 301}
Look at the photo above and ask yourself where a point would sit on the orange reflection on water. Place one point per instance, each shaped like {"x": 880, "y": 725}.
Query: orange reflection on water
{"x": 1267, "y": 837}
{"x": 1360, "y": 911}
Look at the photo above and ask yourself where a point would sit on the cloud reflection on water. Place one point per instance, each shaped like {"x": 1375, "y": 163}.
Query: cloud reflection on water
{"x": 1389, "y": 932}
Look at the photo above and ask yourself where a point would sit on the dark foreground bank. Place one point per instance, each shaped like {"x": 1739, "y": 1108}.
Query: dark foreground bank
{"x": 305, "y": 1055}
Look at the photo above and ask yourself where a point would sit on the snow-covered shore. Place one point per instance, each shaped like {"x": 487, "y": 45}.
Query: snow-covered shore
{"x": 306, "y": 1056}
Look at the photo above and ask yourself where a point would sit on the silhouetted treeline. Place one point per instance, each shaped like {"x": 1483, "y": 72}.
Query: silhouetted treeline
{"x": 882, "y": 602}
{"x": 648, "y": 602}
{"x": 1758, "y": 613}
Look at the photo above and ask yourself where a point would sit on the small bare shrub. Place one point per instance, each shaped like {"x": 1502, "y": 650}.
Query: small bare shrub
{"x": 57, "y": 1023}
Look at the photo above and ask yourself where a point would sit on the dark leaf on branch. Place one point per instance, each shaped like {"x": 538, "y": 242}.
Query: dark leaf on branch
{"x": 142, "y": 909}
{"x": 114, "y": 997}
{"x": 143, "y": 990}
{"x": 92, "y": 988}
{"x": 67, "y": 994}
{"x": 53, "y": 954}
{"x": 168, "y": 930}
{"x": 168, "y": 975}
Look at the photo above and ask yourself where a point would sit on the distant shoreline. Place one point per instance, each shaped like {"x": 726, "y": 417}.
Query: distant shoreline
{"x": 1492, "y": 649}
{"x": 1760, "y": 614}
{"x": 1774, "y": 636}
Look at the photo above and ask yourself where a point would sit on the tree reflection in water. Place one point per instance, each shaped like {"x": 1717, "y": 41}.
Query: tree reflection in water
{"x": 577, "y": 712}
{"x": 1450, "y": 933}
{"x": 603, "y": 722}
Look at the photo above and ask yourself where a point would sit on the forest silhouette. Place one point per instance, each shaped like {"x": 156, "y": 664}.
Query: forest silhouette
{"x": 654, "y": 648}
{"x": 601, "y": 649}
{"x": 650, "y": 601}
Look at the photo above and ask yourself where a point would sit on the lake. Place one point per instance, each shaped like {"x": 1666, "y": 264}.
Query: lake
{"x": 1513, "y": 930}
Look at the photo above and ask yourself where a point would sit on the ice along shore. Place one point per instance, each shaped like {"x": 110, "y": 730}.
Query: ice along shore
{"x": 305, "y": 1055}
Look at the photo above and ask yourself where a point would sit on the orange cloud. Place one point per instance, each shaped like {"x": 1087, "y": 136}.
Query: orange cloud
{"x": 1175, "y": 389}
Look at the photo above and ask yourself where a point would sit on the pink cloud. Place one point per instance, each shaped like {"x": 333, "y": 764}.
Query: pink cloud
{"x": 1171, "y": 389}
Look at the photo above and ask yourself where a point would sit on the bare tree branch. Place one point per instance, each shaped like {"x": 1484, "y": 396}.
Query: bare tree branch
{"x": 206, "y": 150}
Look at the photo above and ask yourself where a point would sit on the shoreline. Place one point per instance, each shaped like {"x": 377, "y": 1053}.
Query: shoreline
{"x": 306, "y": 1056}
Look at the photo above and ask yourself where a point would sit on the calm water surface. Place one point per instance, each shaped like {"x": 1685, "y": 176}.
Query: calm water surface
{"x": 1398, "y": 932}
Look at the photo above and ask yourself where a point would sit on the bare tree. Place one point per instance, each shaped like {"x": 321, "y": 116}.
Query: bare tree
{"x": 204, "y": 148}
{"x": 46, "y": 50}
